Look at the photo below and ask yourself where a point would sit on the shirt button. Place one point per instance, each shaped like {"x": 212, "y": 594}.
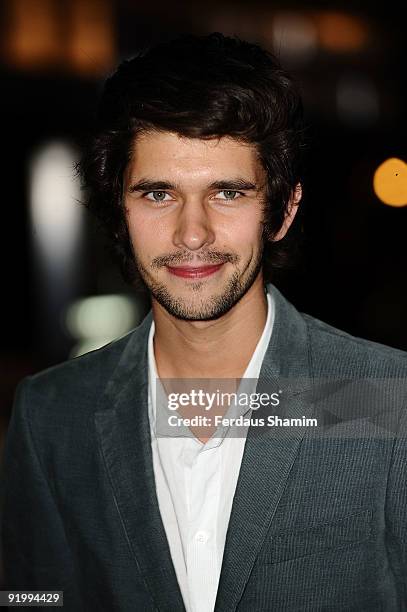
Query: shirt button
{"x": 202, "y": 537}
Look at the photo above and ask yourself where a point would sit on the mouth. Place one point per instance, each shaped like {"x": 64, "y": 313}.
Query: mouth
{"x": 194, "y": 271}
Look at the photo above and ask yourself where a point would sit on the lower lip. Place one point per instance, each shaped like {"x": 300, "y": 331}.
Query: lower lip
{"x": 201, "y": 272}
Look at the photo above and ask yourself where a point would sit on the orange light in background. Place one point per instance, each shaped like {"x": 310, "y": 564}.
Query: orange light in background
{"x": 31, "y": 35}
{"x": 390, "y": 182}
{"x": 91, "y": 48}
{"x": 341, "y": 32}
{"x": 76, "y": 36}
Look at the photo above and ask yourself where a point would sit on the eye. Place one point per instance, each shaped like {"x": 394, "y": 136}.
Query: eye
{"x": 229, "y": 194}
{"x": 157, "y": 196}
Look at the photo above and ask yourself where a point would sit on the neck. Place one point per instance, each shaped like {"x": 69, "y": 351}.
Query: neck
{"x": 210, "y": 349}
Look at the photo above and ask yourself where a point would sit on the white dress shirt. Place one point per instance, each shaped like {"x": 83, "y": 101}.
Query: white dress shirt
{"x": 195, "y": 485}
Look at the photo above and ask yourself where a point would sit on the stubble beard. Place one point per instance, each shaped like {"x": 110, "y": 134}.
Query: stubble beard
{"x": 208, "y": 308}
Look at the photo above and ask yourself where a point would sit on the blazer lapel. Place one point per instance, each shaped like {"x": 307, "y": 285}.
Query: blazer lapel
{"x": 123, "y": 429}
{"x": 269, "y": 452}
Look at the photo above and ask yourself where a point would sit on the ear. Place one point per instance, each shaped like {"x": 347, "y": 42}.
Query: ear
{"x": 292, "y": 209}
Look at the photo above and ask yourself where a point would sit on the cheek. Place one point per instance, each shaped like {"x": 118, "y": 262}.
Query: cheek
{"x": 140, "y": 231}
{"x": 244, "y": 233}
{"x": 147, "y": 234}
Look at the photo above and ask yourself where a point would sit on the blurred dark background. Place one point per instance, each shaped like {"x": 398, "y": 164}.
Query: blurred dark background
{"x": 62, "y": 295}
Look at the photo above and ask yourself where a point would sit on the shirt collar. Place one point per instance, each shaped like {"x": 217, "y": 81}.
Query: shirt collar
{"x": 253, "y": 368}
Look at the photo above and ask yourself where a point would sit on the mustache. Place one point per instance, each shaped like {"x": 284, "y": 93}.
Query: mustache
{"x": 209, "y": 257}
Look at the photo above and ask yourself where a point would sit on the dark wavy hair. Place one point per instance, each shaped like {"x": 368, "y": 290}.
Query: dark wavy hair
{"x": 198, "y": 87}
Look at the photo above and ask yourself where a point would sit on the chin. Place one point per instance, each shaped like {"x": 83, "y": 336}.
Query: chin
{"x": 185, "y": 312}
{"x": 201, "y": 309}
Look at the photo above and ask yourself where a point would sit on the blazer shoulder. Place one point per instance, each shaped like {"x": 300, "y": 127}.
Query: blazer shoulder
{"x": 340, "y": 349}
{"x": 80, "y": 381}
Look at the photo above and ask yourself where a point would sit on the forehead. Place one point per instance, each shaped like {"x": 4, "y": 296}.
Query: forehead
{"x": 158, "y": 153}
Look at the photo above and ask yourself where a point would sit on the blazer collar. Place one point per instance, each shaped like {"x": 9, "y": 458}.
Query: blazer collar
{"x": 124, "y": 435}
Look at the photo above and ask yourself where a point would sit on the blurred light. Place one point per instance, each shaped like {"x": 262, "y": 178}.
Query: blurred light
{"x": 56, "y": 216}
{"x": 91, "y": 41}
{"x": 57, "y": 232}
{"x": 390, "y": 182}
{"x": 78, "y": 35}
{"x": 97, "y": 320}
{"x": 32, "y": 36}
{"x": 341, "y": 32}
{"x": 294, "y": 36}
{"x": 357, "y": 100}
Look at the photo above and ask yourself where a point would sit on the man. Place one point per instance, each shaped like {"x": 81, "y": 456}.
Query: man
{"x": 117, "y": 490}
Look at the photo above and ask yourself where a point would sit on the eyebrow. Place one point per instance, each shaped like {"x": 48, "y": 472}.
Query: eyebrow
{"x": 237, "y": 184}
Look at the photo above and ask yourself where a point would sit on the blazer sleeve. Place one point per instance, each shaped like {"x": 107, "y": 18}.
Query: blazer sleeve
{"x": 396, "y": 510}
{"x": 36, "y": 554}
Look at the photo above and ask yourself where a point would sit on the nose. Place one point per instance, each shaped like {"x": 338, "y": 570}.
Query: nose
{"x": 193, "y": 229}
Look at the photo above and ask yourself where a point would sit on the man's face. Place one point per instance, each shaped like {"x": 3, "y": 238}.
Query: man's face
{"x": 194, "y": 211}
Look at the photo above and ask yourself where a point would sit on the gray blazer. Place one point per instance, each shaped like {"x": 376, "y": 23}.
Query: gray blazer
{"x": 319, "y": 516}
